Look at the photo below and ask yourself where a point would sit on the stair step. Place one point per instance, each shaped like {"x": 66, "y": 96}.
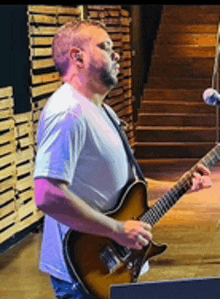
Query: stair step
{"x": 147, "y": 150}
{"x": 156, "y": 168}
{"x": 175, "y": 134}
{"x": 181, "y": 51}
{"x": 177, "y": 38}
{"x": 181, "y": 67}
{"x": 176, "y": 107}
{"x": 176, "y": 119}
{"x": 197, "y": 14}
{"x": 173, "y": 94}
{"x": 187, "y": 28}
{"x": 178, "y": 83}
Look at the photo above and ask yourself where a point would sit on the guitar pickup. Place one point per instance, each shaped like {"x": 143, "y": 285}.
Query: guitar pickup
{"x": 122, "y": 252}
{"x": 110, "y": 259}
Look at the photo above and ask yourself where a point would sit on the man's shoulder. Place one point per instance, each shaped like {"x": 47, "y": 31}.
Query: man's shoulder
{"x": 63, "y": 101}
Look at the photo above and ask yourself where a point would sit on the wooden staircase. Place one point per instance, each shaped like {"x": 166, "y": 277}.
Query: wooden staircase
{"x": 175, "y": 126}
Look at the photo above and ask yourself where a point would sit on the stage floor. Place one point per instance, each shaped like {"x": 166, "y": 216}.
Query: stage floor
{"x": 191, "y": 229}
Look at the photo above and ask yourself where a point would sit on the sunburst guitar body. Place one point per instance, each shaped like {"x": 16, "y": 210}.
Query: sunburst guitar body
{"x": 99, "y": 262}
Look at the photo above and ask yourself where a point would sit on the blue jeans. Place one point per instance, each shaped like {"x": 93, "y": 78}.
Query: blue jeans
{"x": 66, "y": 290}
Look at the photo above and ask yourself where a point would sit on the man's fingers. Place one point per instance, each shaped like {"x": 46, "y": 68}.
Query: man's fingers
{"x": 203, "y": 170}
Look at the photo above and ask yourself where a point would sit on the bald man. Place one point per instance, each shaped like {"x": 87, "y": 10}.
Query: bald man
{"x": 81, "y": 164}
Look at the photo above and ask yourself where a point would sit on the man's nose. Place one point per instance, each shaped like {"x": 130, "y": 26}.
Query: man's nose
{"x": 115, "y": 56}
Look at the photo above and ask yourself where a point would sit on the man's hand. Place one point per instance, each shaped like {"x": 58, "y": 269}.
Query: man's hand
{"x": 133, "y": 234}
{"x": 201, "y": 178}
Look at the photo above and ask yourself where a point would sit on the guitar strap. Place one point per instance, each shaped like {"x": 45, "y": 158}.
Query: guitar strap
{"x": 127, "y": 147}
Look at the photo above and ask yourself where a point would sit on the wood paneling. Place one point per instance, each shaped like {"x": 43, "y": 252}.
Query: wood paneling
{"x": 174, "y": 122}
{"x": 17, "y": 204}
{"x": 118, "y": 21}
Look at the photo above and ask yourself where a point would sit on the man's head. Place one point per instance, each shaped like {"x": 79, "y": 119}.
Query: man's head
{"x": 84, "y": 49}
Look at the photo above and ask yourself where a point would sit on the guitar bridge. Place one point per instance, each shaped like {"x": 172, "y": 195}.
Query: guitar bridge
{"x": 110, "y": 259}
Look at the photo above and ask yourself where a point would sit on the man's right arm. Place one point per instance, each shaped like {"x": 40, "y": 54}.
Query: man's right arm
{"x": 55, "y": 199}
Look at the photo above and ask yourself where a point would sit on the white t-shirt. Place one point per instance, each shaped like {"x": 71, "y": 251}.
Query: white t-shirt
{"x": 79, "y": 144}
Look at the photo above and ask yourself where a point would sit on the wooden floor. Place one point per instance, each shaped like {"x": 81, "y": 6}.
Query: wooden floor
{"x": 191, "y": 229}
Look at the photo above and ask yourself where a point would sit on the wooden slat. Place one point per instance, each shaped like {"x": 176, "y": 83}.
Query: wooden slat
{"x": 42, "y": 64}
{"x": 24, "y": 183}
{"x": 44, "y": 9}
{"x": 8, "y": 171}
{"x": 39, "y": 105}
{"x": 64, "y": 19}
{"x": 8, "y": 220}
{"x": 41, "y": 41}
{"x": 7, "y": 209}
{"x": 42, "y": 30}
{"x": 34, "y": 217}
{"x": 6, "y": 197}
{"x": 6, "y": 234}
{"x": 6, "y": 92}
{"x": 69, "y": 11}
{"x": 24, "y": 155}
{"x": 6, "y": 124}
{"x": 23, "y": 117}
{"x": 40, "y": 79}
{"x": 6, "y": 103}
{"x": 7, "y": 149}
{"x": 23, "y": 196}
{"x": 6, "y": 160}
{"x": 45, "y": 88}
{"x": 25, "y": 168}
{"x": 36, "y": 52}
{"x": 7, "y": 184}
{"x": 23, "y": 129}
{"x": 41, "y": 19}
{"x": 8, "y": 137}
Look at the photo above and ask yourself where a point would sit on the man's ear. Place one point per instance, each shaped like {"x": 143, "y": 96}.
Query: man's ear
{"x": 76, "y": 55}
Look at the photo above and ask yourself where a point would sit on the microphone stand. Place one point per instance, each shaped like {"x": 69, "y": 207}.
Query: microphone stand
{"x": 215, "y": 81}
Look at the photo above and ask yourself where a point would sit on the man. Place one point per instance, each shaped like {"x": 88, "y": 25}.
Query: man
{"x": 81, "y": 165}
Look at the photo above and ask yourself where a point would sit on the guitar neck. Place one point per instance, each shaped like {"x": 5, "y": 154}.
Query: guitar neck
{"x": 163, "y": 205}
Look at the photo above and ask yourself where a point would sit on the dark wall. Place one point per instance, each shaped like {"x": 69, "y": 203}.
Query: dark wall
{"x": 146, "y": 19}
{"x": 14, "y": 61}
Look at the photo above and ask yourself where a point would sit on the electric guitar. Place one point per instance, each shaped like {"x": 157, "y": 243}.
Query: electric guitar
{"x": 99, "y": 262}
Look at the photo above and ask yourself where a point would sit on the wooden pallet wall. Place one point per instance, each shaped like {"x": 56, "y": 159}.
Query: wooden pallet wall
{"x": 17, "y": 201}
{"x": 118, "y": 23}
{"x": 18, "y": 132}
{"x": 43, "y": 23}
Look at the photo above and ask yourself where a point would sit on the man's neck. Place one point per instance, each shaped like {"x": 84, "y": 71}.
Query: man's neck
{"x": 95, "y": 97}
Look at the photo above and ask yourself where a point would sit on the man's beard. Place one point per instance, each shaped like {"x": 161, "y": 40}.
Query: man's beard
{"x": 108, "y": 79}
{"x": 104, "y": 75}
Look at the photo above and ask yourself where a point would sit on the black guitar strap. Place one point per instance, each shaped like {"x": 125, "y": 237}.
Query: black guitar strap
{"x": 128, "y": 150}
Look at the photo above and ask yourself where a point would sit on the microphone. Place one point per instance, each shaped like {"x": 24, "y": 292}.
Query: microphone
{"x": 211, "y": 97}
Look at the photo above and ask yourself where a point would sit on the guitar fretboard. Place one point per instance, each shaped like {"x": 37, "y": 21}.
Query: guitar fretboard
{"x": 163, "y": 205}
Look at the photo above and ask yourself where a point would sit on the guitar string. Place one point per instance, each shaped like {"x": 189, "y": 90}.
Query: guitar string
{"x": 167, "y": 201}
